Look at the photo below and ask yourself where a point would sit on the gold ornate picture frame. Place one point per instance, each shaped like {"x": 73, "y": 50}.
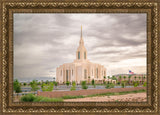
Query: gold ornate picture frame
{"x": 9, "y": 7}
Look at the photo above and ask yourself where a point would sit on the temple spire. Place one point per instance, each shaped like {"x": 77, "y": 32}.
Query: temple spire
{"x": 81, "y": 42}
{"x": 81, "y": 31}
{"x": 81, "y": 53}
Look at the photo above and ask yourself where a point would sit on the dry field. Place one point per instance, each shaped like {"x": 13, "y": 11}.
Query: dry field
{"x": 135, "y": 97}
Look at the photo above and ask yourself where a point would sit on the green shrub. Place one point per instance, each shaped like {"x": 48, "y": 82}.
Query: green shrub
{"x": 67, "y": 83}
{"x": 145, "y": 84}
{"x": 118, "y": 83}
{"x": 83, "y": 83}
{"x": 73, "y": 83}
{"x": 47, "y": 87}
{"x": 46, "y": 99}
{"x": 34, "y": 85}
{"x": 72, "y": 97}
{"x": 28, "y": 98}
{"x": 24, "y": 84}
{"x": 38, "y": 99}
{"x": 93, "y": 82}
{"x": 73, "y": 86}
{"x": 123, "y": 84}
{"x": 136, "y": 84}
{"x": 16, "y": 86}
{"x": 55, "y": 83}
{"x": 32, "y": 98}
{"x": 84, "y": 86}
{"x": 109, "y": 85}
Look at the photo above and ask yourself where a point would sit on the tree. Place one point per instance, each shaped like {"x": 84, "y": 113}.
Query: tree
{"x": 55, "y": 84}
{"x": 108, "y": 77}
{"x": 47, "y": 82}
{"x": 114, "y": 78}
{"x": 104, "y": 79}
{"x": 73, "y": 86}
{"x": 20, "y": 84}
{"x": 120, "y": 77}
{"x": 135, "y": 83}
{"x": 109, "y": 85}
{"x": 84, "y": 86}
{"x": 34, "y": 85}
{"x": 38, "y": 83}
{"x": 143, "y": 78}
{"x": 24, "y": 84}
{"x": 93, "y": 82}
{"x": 89, "y": 79}
{"x": 17, "y": 86}
{"x": 123, "y": 84}
{"x": 135, "y": 78}
{"x": 54, "y": 78}
{"x": 139, "y": 78}
{"x": 124, "y": 77}
{"x": 47, "y": 87}
{"x": 129, "y": 77}
{"x": 145, "y": 84}
{"x": 67, "y": 83}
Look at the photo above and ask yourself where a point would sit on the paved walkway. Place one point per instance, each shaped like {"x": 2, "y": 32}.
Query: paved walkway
{"x": 135, "y": 97}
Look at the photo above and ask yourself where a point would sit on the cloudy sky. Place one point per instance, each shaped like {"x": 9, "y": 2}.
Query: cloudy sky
{"x": 42, "y": 42}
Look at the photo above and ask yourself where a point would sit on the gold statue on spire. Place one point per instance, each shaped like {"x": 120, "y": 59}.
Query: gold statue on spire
{"x": 81, "y": 31}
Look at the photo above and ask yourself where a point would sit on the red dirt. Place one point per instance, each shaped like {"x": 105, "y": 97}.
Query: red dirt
{"x": 54, "y": 94}
{"x": 138, "y": 97}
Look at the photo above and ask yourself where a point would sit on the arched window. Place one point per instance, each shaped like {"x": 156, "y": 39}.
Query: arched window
{"x": 78, "y": 55}
{"x": 67, "y": 75}
{"x": 97, "y": 72}
{"x": 84, "y": 55}
{"x": 72, "y": 72}
{"x": 85, "y": 74}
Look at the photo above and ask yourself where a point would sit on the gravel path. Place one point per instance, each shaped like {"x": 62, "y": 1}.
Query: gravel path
{"x": 135, "y": 97}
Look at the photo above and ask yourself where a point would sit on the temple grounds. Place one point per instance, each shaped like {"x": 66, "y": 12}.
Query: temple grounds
{"x": 55, "y": 94}
{"x": 137, "y": 97}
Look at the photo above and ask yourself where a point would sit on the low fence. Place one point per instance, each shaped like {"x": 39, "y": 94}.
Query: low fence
{"x": 55, "y": 94}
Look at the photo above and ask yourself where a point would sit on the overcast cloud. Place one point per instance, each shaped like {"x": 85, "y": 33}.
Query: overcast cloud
{"x": 42, "y": 42}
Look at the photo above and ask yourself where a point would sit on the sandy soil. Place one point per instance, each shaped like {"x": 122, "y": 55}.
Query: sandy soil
{"x": 55, "y": 94}
{"x": 135, "y": 97}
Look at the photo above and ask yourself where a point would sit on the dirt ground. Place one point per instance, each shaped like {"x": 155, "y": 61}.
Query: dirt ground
{"x": 135, "y": 97}
{"x": 56, "y": 94}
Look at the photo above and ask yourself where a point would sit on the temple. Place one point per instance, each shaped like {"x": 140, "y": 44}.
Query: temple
{"x": 81, "y": 69}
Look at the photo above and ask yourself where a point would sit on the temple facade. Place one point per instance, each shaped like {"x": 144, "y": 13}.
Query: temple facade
{"x": 81, "y": 69}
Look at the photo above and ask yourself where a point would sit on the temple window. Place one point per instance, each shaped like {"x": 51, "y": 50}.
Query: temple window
{"x": 66, "y": 75}
{"x": 84, "y": 55}
{"x": 85, "y": 74}
{"x": 97, "y": 72}
{"x": 61, "y": 72}
{"x": 72, "y": 72}
{"x": 78, "y": 55}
